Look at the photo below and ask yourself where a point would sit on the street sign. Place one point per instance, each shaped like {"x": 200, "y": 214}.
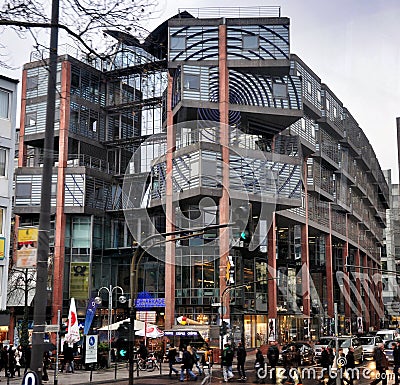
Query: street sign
{"x": 52, "y": 328}
{"x": 91, "y": 349}
{"x": 30, "y": 378}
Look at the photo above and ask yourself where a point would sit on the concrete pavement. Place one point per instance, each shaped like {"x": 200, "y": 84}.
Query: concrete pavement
{"x": 120, "y": 377}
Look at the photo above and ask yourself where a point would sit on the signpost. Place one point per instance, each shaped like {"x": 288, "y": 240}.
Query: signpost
{"x": 91, "y": 343}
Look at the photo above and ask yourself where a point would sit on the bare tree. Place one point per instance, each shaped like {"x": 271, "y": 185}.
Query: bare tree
{"x": 81, "y": 21}
{"x": 21, "y": 289}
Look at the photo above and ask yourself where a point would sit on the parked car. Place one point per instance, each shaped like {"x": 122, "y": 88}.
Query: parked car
{"x": 345, "y": 343}
{"x": 323, "y": 342}
{"x": 387, "y": 335}
{"x": 389, "y": 350}
{"x": 369, "y": 344}
{"x": 306, "y": 352}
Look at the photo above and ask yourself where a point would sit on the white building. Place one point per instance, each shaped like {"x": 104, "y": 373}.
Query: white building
{"x": 8, "y": 108}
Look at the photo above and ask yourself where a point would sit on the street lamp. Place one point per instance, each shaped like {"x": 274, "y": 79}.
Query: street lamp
{"x": 98, "y": 301}
{"x": 137, "y": 256}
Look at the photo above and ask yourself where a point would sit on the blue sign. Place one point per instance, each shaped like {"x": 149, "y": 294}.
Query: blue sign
{"x": 30, "y": 378}
{"x": 92, "y": 341}
{"x": 146, "y": 303}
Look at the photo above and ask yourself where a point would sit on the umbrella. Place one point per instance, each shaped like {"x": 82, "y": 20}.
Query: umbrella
{"x": 151, "y": 332}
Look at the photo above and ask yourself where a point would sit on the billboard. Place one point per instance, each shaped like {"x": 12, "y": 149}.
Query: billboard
{"x": 27, "y": 247}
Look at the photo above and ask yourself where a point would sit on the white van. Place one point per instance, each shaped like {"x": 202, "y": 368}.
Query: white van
{"x": 388, "y": 335}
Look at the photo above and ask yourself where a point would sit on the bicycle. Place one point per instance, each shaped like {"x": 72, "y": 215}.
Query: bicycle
{"x": 149, "y": 364}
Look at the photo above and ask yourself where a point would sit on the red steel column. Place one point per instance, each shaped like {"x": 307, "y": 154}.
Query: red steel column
{"x": 346, "y": 273}
{"x": 21, "y": 145}
{"x": 170, "y": 215}
{"x": 357, "y": 263}
{"x": 272, "y": 273}
{"x": 224, "y": 141}
{"x": 329, "y": 267}
{"x": 305, "y": 258}
{"x": 59, "y": 236}
{"x": 367, "y": 293}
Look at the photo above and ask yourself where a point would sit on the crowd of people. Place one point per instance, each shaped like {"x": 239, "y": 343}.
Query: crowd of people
{"x": 13, "y": 359}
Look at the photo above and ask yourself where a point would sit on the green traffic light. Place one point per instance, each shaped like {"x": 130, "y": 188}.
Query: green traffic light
{"x": 122, "y": 353}
{"x": 243, "y": 235}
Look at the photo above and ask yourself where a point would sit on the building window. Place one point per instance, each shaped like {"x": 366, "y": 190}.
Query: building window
{"x": 30, "y": 119}
{"x": 191, "y": 82}
{"x": 319, "y": 96}
{"x": 313, "y": 131}
{"x": 303, "y": 124}
{"x": 23, "y": 190}
{"x": 250, "y": 42}
{"x": 3, "y": 161}
{"x": 4, "y": 104}
{"x": 178, "y": 43}
{"x": 335, "y": 111}
{"x": 279, "y": 90}
{"x": 309, "y": 87}
{"x": 309, "y": 171}
{"x": 75, "y": 80}
{"x": 32, "y": 82}
{"x": 328, "y": 105}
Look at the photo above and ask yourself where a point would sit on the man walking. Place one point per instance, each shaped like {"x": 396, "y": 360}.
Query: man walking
{"x": 273, "y": 357}
{"x": 241, "y": 359}
{"x": 382, "y": 365}
{"x": 171, "y": 355}
{"x": 227, "y": 360}
{"x": 396, "y": 361}
{"x": 350, "y": 365}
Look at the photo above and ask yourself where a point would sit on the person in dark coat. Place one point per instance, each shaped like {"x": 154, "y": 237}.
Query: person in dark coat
{"x": 291, "y": 360}
{"x": 187, "y": 365}
{"x": 241, "y": 360}
{"x": 396, "y": 361}
{"x": 68, "y": 358}
{"x": 382, "y": 365}
{"x": 26, "y": 357}
{"x": 227, "y": 361}
{"x": 171, "y": 355}
{"x": 4, "y": 360}
{"x": 350, "y": 365}
{"x": 259, "y": 365}
{"x": 11, "y": 361}
{"x": 273, "y": 357}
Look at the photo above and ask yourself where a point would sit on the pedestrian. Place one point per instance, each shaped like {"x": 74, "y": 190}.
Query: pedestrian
{"x": 4, "y": 360}
{"x": 18, "y": 359}
{"x": 273, "y": 357}
{"x": 171, "y": 355}
{"x": 396, "y": 361}
{"x": 46, "y": 364}
{"x": 11, "y": 361}
{"x": 350, "y": 365}
{"x": 325, "y": 362}
{"x": 196, "y": 359}
{"x": 259, "y": 366}
{"x": 382, "y": 364}
{"x": 291, "y": 360}
{"x": 241, "y": 360}
{"x": 68, "y": 358}
{"x": 26, "y": 357}
{"x": 227, "y": 361}
{"x": 143, "y": 351}
{"x": 187, "y": 365}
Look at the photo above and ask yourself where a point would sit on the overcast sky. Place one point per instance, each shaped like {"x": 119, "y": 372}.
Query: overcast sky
{"x": 352, "y": 45}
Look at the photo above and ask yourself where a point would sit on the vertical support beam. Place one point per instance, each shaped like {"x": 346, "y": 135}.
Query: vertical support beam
{"x": 224, "y": 142}
{"x": 366, "y": 293}
{"x": 398, "y": 144}
{"x": 21, "y": 145}
{"x": 346, "y": 272}
{"x": 357, "y": 263}
{"x": 305, "y": 258}
{"x": 329, "y": 267}
{"x": 371, "y": 293}
{"x": 59, "y": 241}
{"x": 170, "y": 215}
{"x": 272, "y": 272}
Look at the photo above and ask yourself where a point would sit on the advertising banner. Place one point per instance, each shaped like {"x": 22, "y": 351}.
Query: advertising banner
{"x": 79, "y": 280}
{"x": 27, "y": 247}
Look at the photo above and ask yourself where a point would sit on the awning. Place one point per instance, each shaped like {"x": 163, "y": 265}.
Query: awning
{"x": 139, "y": 325}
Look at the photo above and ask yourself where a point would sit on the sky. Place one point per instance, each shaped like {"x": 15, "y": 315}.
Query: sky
{"x": 352, "y": 45}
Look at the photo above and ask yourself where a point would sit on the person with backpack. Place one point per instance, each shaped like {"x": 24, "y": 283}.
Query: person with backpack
{"x": 227, "y": 361}
{"x": 382, "y": 364}
{"x": 196, "y": 359}
{"x": 171, "y": 355}
{"x": 273, "y": 357}
{"x": 241, "y": 360}
{"x": 187, "y": 365}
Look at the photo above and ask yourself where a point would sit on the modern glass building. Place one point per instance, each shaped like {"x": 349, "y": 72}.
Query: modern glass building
{"x": 210, "y": 121}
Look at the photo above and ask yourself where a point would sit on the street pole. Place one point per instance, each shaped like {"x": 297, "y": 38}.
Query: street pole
{"x": 338, "y": 379}
{"x": 39, "y": 315}
{"x": 137, "y": 256}
{"x": 57, "y": 347}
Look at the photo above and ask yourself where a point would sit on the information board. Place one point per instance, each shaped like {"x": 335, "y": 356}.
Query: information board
{"x": 91, "y": 349}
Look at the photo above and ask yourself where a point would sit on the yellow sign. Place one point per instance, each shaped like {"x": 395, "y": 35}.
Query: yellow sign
{"x": 2, "y": 248}
{"x": 79, "y": 280}
{"x": 27, "y": 247}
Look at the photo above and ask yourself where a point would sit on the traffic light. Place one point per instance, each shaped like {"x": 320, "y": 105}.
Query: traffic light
{"x": 63, "y": 329}
{"x": 241, "y": 217}
{"x": 122, "y": 345}
{"x": 223, "y": 328}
